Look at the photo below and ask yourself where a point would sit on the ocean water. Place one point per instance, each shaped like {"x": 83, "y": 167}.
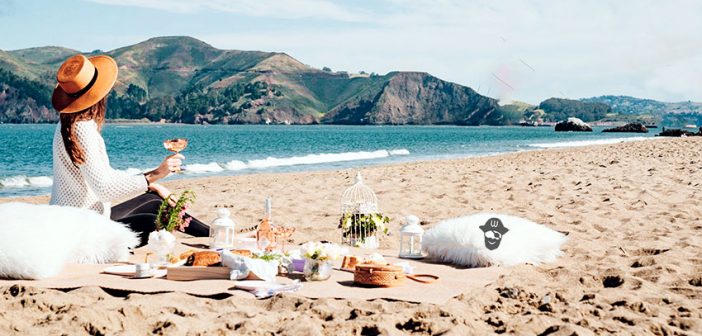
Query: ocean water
{"x": 25, "y": 154}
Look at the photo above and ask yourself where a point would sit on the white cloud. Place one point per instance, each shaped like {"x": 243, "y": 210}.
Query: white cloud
{"x": 580, "y": 48}
{"x": 299, "y": 9}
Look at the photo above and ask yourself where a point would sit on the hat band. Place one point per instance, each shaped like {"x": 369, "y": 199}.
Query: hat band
{"x": 86, "y": 88}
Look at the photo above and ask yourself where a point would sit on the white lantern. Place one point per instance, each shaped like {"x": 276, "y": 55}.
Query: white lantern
{"x": 222, "y": 231}
{"x": 411, "y": 239}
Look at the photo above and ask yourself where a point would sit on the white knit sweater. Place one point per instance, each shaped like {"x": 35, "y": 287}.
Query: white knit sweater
{"x": 93, "y": 184}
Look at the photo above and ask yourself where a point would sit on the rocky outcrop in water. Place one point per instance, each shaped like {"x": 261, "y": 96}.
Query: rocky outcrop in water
{"x": 628, "y": 128}
{"x": 675, "y": 132}
{"x": 573, "y": 125}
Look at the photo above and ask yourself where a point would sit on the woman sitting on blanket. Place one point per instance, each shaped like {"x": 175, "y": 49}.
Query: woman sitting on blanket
{"x": 82, "y": 174}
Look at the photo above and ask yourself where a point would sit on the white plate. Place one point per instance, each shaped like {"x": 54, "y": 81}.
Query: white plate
{"x": 250, "y": 285}
{"x": 159, "y": 273}
{"x": 128, "y": 270}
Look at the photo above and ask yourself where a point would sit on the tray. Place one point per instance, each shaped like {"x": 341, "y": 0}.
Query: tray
{"x": 189, "y": 273}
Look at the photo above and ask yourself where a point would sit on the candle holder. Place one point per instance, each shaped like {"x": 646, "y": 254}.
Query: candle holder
{"x": 411, "y": 239}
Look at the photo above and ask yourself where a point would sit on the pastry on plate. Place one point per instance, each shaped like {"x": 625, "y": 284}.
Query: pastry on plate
{"x": 185, "y": 255}
{"x": 349, "y": 262}
{"x": 245, "y": 253}
{"x": 204, "y": 258}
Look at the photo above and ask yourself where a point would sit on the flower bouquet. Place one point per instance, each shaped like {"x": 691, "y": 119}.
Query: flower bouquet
{"x": 319, "y": 258}
{"x": 169, "y": 218}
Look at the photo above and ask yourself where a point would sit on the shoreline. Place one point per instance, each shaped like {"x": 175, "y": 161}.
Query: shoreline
{"x": 632, "y": 212}
{"x": 300, "y": 168}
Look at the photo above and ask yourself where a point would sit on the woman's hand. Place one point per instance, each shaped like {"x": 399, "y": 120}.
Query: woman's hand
{"x": 163, "y": 192}
{"x": 170, "y": 164}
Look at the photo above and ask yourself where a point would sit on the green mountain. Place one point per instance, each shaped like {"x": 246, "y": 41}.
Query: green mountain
{"x": 182, "y": 79}
{"x": 23, "y": 100}
{"x": 558, "y": 109}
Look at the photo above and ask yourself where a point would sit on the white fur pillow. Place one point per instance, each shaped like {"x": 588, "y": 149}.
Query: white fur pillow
{"x": 492, "y": 239}
{"x": 36, "y": 241}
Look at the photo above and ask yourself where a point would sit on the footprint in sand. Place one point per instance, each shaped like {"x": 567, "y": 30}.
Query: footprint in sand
{"x": 650, "y": 251}
{"x": 612, "y": 281}
{"x": 643, "y": 262}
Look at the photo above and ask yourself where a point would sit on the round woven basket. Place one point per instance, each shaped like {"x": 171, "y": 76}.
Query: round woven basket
{"x": 378, "y": 275}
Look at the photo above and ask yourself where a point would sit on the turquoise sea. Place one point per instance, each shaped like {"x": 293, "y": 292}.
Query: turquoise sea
{"x": 25, "y": 155}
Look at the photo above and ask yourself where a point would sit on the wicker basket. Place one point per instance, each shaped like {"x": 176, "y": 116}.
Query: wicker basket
{"x": 377, "y": 275}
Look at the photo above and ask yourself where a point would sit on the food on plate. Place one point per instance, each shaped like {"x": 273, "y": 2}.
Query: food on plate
{"x": 349, "y": 262}
{"x": 245, "y": 253}
{"x": 204, "y": 258}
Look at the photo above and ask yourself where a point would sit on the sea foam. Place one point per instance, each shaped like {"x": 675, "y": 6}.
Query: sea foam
{"x": 311, "y": 159}
{"x": 198, "y": 168}
{"x": 581, "y": 143}
{"x": 22, "y": 181}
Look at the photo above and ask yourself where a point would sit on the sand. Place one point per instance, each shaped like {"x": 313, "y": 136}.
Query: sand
{"x": 632, "y": 265}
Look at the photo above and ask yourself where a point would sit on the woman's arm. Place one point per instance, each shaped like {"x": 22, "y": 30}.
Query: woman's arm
{"x": 107, "y": 183}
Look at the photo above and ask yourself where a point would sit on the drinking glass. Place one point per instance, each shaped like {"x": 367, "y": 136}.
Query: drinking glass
{"x": 176, "y": 145}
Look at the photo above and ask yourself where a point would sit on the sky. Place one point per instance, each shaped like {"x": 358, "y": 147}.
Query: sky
{"x": 527, "y": 50}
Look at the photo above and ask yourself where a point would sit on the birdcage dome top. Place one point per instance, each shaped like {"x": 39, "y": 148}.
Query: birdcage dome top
{"x": 359, "y": 198}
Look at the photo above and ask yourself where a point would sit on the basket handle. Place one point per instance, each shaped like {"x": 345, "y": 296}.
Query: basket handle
{"x": 429, "y": 278}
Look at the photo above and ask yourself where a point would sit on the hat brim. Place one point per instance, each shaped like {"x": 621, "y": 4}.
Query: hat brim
{"x": 107, "y": 75}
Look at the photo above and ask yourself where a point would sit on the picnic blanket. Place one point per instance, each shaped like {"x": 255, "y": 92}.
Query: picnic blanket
{"x": 453, "y": 280}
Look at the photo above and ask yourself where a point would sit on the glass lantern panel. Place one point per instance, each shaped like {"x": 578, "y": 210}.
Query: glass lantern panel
{"x": 411, "y": 244}
{"x": 223, "y": 237}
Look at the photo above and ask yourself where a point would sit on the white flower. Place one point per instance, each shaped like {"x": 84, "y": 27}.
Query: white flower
{"x": 380, "y": 226}
{"x": 309, "y": 249}
{"x": 376, "y": 258}
{"x": 161, "y": 241}
{"x": 346, "y": 224}
{"x": 321, "y": 251}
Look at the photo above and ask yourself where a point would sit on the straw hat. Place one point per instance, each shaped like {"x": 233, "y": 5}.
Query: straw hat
{"x": 82, "y": 82}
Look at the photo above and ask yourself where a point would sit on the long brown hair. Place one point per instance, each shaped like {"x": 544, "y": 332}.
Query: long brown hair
{"x": 68, "y": 128}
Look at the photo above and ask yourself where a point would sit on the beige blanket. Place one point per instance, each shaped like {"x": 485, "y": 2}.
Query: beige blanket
{"x": 453, "y": 281}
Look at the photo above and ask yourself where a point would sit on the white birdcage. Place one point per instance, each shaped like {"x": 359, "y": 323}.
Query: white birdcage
{"x": 359, "y": 211}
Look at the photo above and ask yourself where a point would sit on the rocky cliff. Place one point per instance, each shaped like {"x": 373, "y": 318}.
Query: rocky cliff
{"x": 415, "y": 98}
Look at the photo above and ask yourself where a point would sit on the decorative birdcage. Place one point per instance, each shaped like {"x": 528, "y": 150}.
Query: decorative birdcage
{"x": 361, "y": 220}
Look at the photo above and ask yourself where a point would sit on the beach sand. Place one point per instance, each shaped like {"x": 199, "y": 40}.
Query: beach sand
{"x": 632, "y": 264}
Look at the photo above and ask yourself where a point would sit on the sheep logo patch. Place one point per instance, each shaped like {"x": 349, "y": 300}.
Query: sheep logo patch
{"x": 493, "y": 230}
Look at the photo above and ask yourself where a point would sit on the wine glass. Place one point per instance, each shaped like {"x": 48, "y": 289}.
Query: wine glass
{"x": 176, "y": 145}
{"x": 282, "y": 234}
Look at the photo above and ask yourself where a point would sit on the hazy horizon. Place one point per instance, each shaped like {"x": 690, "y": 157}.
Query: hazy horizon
{"x": 511, "y": 50}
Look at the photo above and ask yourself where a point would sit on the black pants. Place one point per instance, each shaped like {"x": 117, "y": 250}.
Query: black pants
{"x": 139, "y": 213}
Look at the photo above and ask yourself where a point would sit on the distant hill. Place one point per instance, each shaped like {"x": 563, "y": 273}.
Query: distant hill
{"x": 182, "y": 79}
{"x": 416, "y": 98}
{"x": 558, "y": 109}
{"x": 23, "y": 100}
{"x": 670, "y": 114}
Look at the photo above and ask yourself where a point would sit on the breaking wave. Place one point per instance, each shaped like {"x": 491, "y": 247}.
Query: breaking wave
{"x": 271, "y": 162}
{"x": 22, "y": 181}
{"x": 581, "y": 143}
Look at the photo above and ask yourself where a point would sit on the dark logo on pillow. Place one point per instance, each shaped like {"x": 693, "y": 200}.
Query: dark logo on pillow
{"x": 494, "y": 230}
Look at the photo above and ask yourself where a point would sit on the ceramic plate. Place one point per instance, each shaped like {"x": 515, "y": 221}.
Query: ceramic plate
{"x": 128, "y": 270}
{"x": 159, "y": 273}
{"x": 250, "y": 285}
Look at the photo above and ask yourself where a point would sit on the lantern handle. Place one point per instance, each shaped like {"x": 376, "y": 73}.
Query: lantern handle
{"x": 359, "y": 178}
{"x": 417, "y": 277}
